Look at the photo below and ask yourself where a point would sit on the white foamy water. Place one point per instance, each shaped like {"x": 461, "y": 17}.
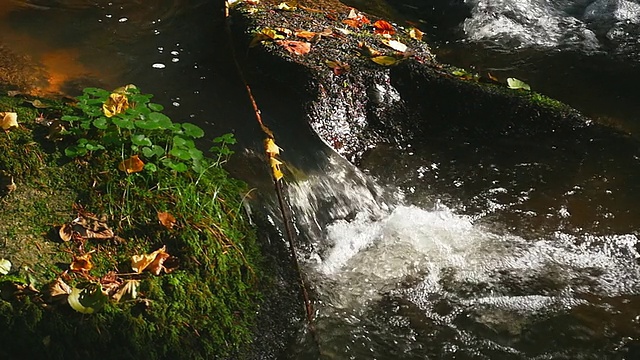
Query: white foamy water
{"x": 583, "y": 25}
{"x": 424, "y": 252}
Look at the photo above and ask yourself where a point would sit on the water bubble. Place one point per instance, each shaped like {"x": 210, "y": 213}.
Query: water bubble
{"x": 124, "y": 19}
{"x": 158, "y": 66}
{"x": 175, "y": 53}
{"x": 175, "y": 60}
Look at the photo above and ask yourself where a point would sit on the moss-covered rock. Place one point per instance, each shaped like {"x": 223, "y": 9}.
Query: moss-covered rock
{"x": 203, "y": 307}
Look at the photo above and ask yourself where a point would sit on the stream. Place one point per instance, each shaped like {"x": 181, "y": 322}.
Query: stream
{"x": 440, "y": 250}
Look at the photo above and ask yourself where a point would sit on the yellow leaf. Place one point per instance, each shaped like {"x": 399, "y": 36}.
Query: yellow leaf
{"x": 8, "y": 120}
{"x": 152, "y": 262}
{"x": 285, "y": 7}
{"x": 131, "y": 165}
{"x": 385, "y": 60}
{"x": 116, "y": 103}
{"x": 415, "y": 34}
{"x": 275, "y": 168}
{"x": 271, "y": 148}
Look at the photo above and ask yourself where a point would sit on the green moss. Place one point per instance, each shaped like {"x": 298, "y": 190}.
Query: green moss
{"x": 204, "y": 309}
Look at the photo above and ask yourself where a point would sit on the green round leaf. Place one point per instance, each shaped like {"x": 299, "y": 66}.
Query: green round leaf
{"x": 180, "y": 153}
{"x": 101, "y": 123}
{"x": 195, "y": 154}
{"x": 151, "y": 167}
{"x": 158, "y": 150}
{"x": 155, "y": 107}
{"x": 192, "y": 130}
{"x": 125, "y": 123}
{"x": 161, "y": 119}
{"x": 147, "y": 125}
{"x": 93, "y": 146}
{"x": 141, "y": 140}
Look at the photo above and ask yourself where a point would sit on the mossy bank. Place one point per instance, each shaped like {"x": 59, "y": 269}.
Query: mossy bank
{"x": 114, "y": 258}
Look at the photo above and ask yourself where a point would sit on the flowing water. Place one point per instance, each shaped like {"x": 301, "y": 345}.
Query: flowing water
{"x": 439, "y": 252}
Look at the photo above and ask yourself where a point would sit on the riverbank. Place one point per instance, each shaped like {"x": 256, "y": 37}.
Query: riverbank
{"x": 124, "y": 240}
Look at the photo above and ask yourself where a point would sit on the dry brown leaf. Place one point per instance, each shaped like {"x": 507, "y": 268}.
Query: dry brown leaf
{"x": 167, "y": 220}
{"x": 58, "y": 291}
{"x": 8, "y": 120}
{"x": 295, "y": 47}
{"x": 66, "y": 232}
{"x": 81, "y": 263}
{"x": 131, "y": 165}
{"x": 127, "y": 291}
{"x": 152, "y": 262}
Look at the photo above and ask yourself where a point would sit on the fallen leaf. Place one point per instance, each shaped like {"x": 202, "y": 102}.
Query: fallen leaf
{"x": 516, "y": 84}
{"x": 395, "y": 45}
{"x": 88, "y": 299}
{"x": 308, "y": 35}
{"x": 416, "y": 34}
{"x": 295, "y": 47}
{"x": 152, "y": 262}
{"x": 66, "y": 232}
{"x": 81, "y": 263}
{"x": 37, "y": 104}
{"x": 275, "y": 168}
{"x": 382, "y": 27}
{"x": 358, "y": 16}
{"x": 167, "y": 220}
{"x": 285, "y": 31}
{"x": 352, "y": 22}
{"x": 368, "y": 51}
{"x": 8, "y": 120}
{"x": 116, "y": 103}
{"x": 128, "y": 291}
{"x": 57, "y": 290}
{"x": 271, "y": 148}
{"x": 5, "y": 266}
{"x": 385, "y": 60}
{"x": 338, "y": 67}
{"x": 131, "y": 165}
{"x": 285, "y": 7}
{"x": 264, "y": 35}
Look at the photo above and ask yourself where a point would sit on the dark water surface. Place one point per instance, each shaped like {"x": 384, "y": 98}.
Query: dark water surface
{"x": 486, "y": 253}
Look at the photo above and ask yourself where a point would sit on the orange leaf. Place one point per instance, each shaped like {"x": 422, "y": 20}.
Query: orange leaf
{"x": 383, "y": 28}
{"x": 131, "y": 165}
{"x": 309, "y": 35}
{"x": 167, "y": 220}
{"x": 81, "y": 263}
{"x": 295, "y": 47}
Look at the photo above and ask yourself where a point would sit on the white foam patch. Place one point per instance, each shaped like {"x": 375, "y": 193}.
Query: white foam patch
{"x": 435, "y": 251}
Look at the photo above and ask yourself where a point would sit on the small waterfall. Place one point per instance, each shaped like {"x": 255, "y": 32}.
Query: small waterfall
{"x": 386, "y": 274}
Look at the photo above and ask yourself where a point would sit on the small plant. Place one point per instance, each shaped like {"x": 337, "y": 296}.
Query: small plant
{"x": 127, "y": 122}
